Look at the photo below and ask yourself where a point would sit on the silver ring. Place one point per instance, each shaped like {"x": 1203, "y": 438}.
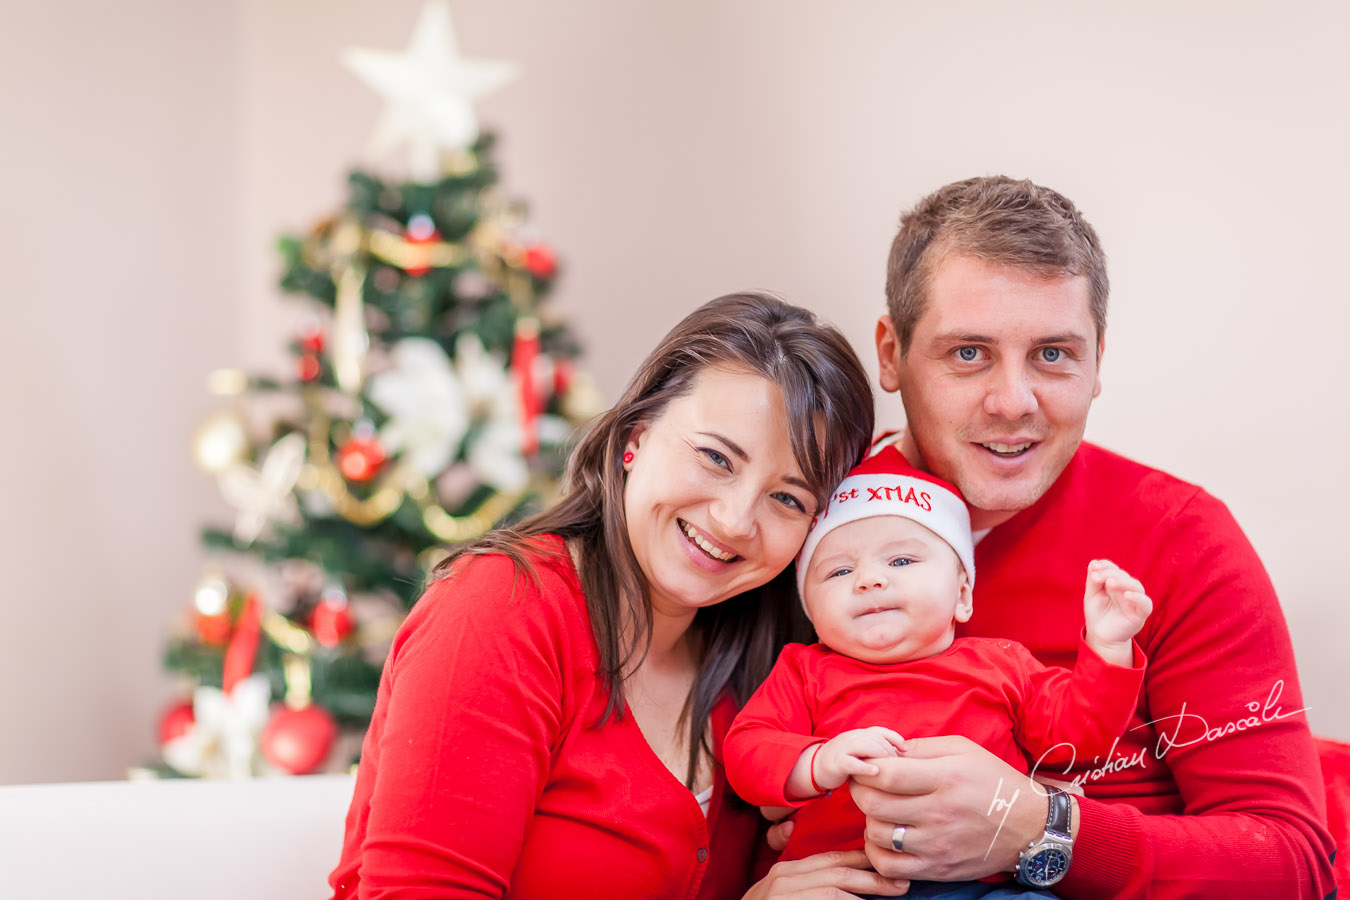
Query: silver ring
{"x": 898, "y": 839}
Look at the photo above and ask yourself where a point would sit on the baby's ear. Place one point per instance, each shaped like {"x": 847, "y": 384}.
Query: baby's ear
{"x": 965, "y": 601}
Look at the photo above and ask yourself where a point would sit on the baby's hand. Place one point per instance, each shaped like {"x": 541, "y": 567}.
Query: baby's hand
{"x": 847, "y": 754}
{"x": 1114, "y": 608}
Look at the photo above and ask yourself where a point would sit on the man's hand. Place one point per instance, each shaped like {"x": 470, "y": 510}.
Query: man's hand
{"x": 967, "y": 814}
{"x": 1114, "y": 607}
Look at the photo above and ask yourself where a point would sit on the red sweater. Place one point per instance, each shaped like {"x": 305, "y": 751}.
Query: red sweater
{"x": 483, "y": 774}
{"x": 1219, "y": 735}
{"x": 991, "y": 691}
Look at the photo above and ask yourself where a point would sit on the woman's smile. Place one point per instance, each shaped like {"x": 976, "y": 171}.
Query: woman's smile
{"x": 705, "y": 543}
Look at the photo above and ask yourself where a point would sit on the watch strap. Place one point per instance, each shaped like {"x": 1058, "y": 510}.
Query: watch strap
{"x": 1058, "y": 820}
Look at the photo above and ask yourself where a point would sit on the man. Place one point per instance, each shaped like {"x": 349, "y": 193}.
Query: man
{"x": 996, "y": 295}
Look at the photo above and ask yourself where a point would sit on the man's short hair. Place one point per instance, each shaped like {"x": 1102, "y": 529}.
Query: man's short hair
{"x": 1000, "y": 220}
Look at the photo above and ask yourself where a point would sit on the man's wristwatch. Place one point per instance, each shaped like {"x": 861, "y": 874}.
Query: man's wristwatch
{"x": 1046, "y": 861}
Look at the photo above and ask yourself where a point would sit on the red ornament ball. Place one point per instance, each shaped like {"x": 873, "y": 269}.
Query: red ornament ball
{"x": 298, "y": 740}
{"x": 311, "y": 341}
{"x": 177, "y": 721}
{"x": 213, "y": 630}
{"x": 308, "y": 368}
{"x": 420, "y": 235}
{"x": 540, "y": 261}
{"x": 360, "y": 459}
{"x": 331, "y": 622}
{"x": 562, "y": 376}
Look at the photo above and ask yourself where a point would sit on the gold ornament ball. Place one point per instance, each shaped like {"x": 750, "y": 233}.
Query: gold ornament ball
{"x": 212, "y": 597}
{"x": 227, "y": 382}
{"x": 583, "y": 400}
{"x": 219, "y": 442}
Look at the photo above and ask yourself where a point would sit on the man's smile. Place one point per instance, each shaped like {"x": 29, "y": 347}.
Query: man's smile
{"x": 1009, "y": 450}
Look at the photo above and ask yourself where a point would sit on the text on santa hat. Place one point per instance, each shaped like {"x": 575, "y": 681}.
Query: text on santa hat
{"x": 898, "y": 494}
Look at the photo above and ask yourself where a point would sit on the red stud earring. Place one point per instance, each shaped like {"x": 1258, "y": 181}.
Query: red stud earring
{"x": 628, "y": 457}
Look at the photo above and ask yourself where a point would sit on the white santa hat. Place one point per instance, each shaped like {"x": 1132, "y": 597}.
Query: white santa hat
{"x": 885, "y": 484}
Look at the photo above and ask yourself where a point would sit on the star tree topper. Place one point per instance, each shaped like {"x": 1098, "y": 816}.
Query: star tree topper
{"x": 429, "y": 89}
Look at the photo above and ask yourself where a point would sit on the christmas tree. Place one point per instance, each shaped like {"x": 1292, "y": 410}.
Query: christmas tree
{"x": 432, "y": 397}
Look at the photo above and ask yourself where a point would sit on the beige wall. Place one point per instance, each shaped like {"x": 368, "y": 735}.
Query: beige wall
{"x": 119, "y": 236}
{"x": 671, "y": 152}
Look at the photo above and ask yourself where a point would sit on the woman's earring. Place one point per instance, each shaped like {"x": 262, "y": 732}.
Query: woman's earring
{"x": 628, "y": 457}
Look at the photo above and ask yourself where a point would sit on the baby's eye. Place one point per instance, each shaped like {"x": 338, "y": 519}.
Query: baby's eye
{"x": 901, "y": 561}
{"x": 842, "y": 570}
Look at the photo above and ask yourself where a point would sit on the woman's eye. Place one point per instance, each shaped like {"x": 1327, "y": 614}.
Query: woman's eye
{"x": 1052, "y": 354}
{"x": 901, "y": 561}
{"x": 716, "y": 458}
{"x": 790, "y": 501}
{"x": 968, "y": 354}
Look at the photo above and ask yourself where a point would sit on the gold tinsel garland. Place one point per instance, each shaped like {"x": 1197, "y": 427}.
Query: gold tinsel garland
{"x": 341, "y": 246}
{"x": 322, "y": 474}
{"x": 337, "y": 245}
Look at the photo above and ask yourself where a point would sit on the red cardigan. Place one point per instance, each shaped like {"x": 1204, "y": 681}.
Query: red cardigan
{"x": 991, "y": 691}
{"x": 1219, "y": 735}
{"x": 483, "y": 773}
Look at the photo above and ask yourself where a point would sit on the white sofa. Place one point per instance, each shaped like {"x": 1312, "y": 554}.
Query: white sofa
{"x": 242, "y": 840}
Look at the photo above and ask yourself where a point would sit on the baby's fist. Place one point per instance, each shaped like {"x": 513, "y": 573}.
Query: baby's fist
{"x": 847, "y": 754}
{"x": 1114, "y": 605}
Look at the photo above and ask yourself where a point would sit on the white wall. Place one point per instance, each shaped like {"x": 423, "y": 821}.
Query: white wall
{"x": 672, "y": 152}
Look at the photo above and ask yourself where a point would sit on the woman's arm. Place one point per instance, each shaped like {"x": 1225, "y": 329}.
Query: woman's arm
{"x": 469, "y": 705}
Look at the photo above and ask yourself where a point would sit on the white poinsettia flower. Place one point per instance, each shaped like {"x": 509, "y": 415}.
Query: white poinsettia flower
{"x": 265, "y": 494}
{"x": 553, "y": 430}
{"x": 484, "y": 375}
{"x": 224, "y": 740}
{"x": 426, "y": 405}
{"x": 496, "y": 454}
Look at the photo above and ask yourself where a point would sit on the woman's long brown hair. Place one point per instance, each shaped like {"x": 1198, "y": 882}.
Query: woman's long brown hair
{"x": 829, "y": 408}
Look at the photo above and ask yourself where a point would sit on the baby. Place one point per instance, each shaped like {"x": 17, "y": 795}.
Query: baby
{"x": 885, "y": 574}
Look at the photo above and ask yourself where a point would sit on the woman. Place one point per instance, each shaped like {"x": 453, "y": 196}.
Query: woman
{"x": 550, "y": 713}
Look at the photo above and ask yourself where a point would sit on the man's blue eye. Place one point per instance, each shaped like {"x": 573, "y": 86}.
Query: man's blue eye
{"x": 1051, "y": 354}
{"x": 968, "y": 353}
{"x": 901, "y": 561}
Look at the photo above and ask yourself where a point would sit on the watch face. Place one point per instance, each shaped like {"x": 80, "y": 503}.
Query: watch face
{"x": 1046, "y": 867}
